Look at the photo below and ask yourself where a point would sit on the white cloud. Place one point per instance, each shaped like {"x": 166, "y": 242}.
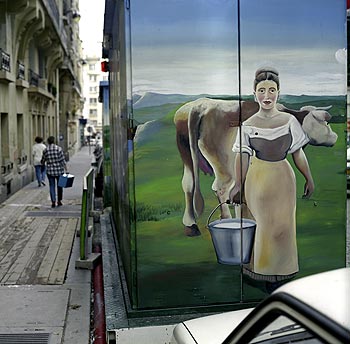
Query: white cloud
{"x": 195, "y": 70}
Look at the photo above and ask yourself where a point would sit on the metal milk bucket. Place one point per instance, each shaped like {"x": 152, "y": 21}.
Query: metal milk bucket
{"x": 231, "y": 237}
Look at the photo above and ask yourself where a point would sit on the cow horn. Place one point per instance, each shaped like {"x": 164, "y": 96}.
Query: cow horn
{"x": 308, "y": 108}
{"x": 324, "y": 108}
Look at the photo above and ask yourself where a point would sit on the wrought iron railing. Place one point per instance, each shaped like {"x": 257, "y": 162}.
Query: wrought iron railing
{"x": 33, "y": 78}
{"x": 5, "y": 61}
{"x": 22, "y": 160}
{"x": 20, "y": 70}
{"x": 7, "y": 167}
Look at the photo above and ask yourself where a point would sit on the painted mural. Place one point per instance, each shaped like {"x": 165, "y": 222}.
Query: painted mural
{"x": 242, "y": 102}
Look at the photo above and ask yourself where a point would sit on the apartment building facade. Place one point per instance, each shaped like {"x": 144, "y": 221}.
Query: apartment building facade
{"x": 92, "y": 75}
{"x": 40, "y": 83}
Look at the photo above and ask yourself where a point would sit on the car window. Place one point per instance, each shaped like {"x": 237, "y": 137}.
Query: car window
{"x": 285, "y": 330}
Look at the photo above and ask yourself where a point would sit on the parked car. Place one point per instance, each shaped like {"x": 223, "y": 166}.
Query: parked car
{"x": 313, "y": 309}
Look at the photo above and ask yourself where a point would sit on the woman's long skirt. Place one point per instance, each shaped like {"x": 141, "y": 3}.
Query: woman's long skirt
{"x": 270, "y": 190}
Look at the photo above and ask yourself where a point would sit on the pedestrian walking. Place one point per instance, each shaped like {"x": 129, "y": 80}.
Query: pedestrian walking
{"x": 40, "y": 168}
{"x": 56, "y": 165}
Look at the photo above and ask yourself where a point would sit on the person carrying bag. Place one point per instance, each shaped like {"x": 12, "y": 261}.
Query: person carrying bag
{"x": 56, "y": 165}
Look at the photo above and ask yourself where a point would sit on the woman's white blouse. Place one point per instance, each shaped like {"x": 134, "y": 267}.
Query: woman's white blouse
{"x": 292, "y": 127}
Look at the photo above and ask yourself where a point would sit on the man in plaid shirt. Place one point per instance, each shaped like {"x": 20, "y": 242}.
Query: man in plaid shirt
{"x": 55, "y": 166}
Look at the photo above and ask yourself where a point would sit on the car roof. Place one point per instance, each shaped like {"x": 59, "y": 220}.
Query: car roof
{"x": 327, "y": 292}
{"x": 212, "y": 329}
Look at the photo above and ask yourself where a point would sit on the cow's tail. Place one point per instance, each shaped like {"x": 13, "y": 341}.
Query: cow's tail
{"x": 194, "y": 121}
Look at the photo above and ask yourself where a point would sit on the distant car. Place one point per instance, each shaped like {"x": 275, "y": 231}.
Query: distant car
{"x": 313, "y": 309}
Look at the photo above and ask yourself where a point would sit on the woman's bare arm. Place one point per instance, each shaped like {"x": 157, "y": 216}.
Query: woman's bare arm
{"x": 241, "y": 169}
{"x": 302, "y": 164}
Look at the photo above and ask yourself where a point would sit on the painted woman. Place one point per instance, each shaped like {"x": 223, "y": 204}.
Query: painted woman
{"x": 269, "y": 181}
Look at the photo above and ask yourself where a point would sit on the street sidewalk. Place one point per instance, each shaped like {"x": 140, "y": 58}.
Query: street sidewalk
{"x": 43, "y": 297}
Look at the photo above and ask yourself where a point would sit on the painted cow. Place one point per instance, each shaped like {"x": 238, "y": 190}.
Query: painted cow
{"x": 205, "y": 132}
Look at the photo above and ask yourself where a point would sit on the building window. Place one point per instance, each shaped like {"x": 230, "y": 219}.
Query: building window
{"x": 93, "y": 77}
{"x": 93, "y": 100}
{"x": 93, "y": 112}
{"x": 92, "y": 66}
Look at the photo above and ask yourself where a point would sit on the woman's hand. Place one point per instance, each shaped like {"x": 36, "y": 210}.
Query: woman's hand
{"x": 302, "y": 164}
{"x": 235, "y": 194}
{"x": 309, "y": 188}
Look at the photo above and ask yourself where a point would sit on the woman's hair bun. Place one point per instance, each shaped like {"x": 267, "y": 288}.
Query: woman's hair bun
{"x": 266, "y": 73}
{"x": 266, "y": 70}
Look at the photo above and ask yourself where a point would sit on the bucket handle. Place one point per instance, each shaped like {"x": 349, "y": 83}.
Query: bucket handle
{"x": 214, "y": 210}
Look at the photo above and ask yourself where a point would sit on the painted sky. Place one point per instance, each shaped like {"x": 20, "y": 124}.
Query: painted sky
{"x": 191, "y": 46}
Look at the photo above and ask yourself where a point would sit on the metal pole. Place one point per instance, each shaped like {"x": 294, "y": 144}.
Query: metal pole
{"x": 240, "y": 133}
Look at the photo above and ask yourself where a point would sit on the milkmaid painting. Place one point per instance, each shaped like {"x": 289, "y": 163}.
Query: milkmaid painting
{"x": 240, "y": 115}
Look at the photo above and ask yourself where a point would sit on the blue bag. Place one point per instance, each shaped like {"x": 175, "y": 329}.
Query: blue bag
{"x": 66, "y": 180}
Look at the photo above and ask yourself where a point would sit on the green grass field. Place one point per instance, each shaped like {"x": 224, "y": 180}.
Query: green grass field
{"x": 177, "y": 271}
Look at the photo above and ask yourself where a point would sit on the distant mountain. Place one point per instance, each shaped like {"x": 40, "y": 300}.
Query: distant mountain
{"x": 155, "y": 99}
{"x": 287, "y": 98}
{"x": 135, "y": 97}
{"x": 150, "y": 99}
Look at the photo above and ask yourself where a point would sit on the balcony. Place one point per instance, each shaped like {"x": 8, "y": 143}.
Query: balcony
{"x": 38, "y": 86}
{"x": 5, "y": 61}
{"x": 21, "y": 82}
{"x": 5, "y": 67}
{"x": 22, "y": 164}
{"x": 22, "y": 160}
{"x": 20, "y": 70}
{"x": 33, "y": 78}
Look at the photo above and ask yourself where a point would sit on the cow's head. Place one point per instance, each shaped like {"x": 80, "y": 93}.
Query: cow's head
{"x": 316, "y": 126}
